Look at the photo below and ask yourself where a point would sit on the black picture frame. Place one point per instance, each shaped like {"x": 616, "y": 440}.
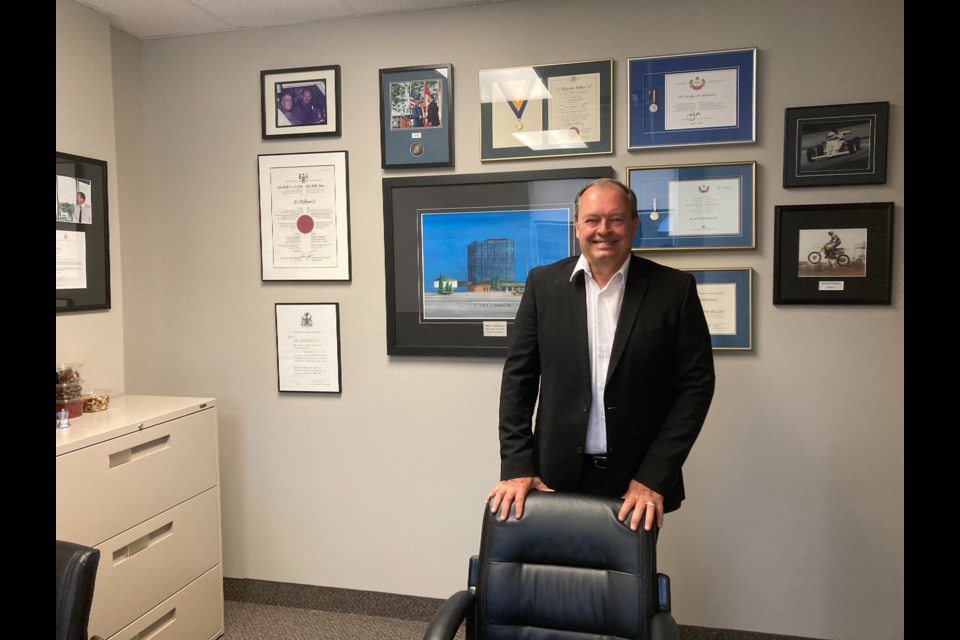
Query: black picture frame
{"x": 83, "y": 234}
{"x": 416, "y": 135}
{"x": 323, "y": 116}
{"x": 858, "y": 271}
{"x": 479, "y": 229}
{"x": 832, "y": 145}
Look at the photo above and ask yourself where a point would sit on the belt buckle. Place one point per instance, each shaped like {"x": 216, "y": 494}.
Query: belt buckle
{"x": 600, "y": 462}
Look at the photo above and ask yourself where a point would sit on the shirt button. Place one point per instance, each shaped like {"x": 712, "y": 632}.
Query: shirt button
{"x": 579, "y": 449}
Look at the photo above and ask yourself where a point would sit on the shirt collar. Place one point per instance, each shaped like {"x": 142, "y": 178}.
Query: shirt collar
{"x": 583, "y": 265}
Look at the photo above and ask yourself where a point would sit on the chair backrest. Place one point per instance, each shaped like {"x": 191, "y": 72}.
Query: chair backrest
{"x": 76, "y": 575}
{"x": 567, "y": 569}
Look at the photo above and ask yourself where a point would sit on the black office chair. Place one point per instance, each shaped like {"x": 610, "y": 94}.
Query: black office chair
{"x": 567, "y": 570}
{"x": 76, "y": 575}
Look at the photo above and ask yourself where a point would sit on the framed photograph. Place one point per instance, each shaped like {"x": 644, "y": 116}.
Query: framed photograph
{"x": 308, "y": 347}
{"x": 727, "y": 299}
{"x": 549, "y": 110}
{"x": 833, "y": 253}
{"x": 83, "y": 235}
{"x": 836, "y": 145}
{"x": 695, "y": 206}
{"x": 304, "y": 216}
{"x": 300, "y": 102}
{"x": 416, "y": 116}
{"x": 458, "y": 249}
{"x": 692, "y": 99}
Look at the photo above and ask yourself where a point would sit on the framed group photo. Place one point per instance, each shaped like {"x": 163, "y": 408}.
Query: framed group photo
{"x": 692, "y": 99}
{"x": 833, "y": 253}
{"x": 83, "y": 234}
{"x": 839, "y": 144}
{"x": 304, "y": 216}
{"x": 416, "y": 116}
{"x": 300, "y": 102}
{"x": 727, "y": 299}
{"x": 549, "y": 110}
{"x": 457, "y": 252}
{"x": 695, "y": 206}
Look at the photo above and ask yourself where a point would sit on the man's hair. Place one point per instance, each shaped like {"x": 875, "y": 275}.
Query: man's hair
{"x": 81, "y": 195}
{"x": 604, "y": 182}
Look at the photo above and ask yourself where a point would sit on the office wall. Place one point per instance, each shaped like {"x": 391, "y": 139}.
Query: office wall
{"x": 85, "y": 127}
{"x": 795, "y": 483}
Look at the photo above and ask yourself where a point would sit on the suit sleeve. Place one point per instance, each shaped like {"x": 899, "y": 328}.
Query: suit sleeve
{"x": 692, "y": 381}
{"x": 518, "y": 392}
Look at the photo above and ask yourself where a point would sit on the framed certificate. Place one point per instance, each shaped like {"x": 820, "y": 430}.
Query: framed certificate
{"x": 83, "y": 236}
{"x": 458, "y": 249}
{"x": 692, "y": 99}
{"x": 416, "y": 116}
{"x": 727, "y": 299}
{"x": 300, "y": 102}
{"x": 304, "y": 216}
{"x": 550, "y": 110}
{"x": 695, "y": 206}
{"x": 308, "y": 347}
{"x": 833, "y": 253}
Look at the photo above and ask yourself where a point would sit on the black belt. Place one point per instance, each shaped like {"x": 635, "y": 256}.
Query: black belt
{"x": 599, "y": 461}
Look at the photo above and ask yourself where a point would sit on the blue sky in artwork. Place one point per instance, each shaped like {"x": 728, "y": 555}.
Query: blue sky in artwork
{"x": 539, "y": 237}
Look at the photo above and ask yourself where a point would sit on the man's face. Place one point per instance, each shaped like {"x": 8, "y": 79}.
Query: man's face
{"x": 306, "y": 97}
{"x": 80, "y": 198}
{"x": 286, "y": 102}
{"x": 605, "y": 226}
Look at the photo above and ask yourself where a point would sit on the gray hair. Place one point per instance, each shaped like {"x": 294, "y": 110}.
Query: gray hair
{"x": 604, "y": 182}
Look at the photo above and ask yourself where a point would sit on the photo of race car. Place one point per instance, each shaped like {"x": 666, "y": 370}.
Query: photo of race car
{"x": 836, "y": 144}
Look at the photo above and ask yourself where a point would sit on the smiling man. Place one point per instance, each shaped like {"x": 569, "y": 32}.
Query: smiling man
{"x": 614, "y": 352}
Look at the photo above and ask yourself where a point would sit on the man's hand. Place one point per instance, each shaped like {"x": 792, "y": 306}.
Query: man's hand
{"x": 513, "y": 491}
{"x": 645, "y": 503}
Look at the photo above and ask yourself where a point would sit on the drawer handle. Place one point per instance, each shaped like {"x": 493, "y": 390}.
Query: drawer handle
{"x": 126, "y": 552}
{"x": 165, "y": 621}
{"x": 139, "y": 451}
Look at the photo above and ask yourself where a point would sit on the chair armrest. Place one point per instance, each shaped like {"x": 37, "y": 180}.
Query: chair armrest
{"x": 450, "y": 616}
{"x": 663, "y": 592}
{"x": 664, "y": 627}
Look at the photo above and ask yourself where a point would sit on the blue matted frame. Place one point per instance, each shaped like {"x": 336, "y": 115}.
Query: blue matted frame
{"x": 403, "y": 143}
{"x": 647, "y": 122}
{"x": 741, "y": 279}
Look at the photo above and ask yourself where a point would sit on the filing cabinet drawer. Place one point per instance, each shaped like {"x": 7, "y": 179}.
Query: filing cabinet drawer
{"x": 111, "y": 486}
{"x": 152, "y": 561}
{"x": 193, "y": 613}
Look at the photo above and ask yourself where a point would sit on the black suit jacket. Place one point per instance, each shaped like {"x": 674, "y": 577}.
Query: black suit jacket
{"x": 659, "y": 384}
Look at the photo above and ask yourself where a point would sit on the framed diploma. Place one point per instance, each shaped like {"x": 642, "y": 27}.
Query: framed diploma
{"x": 308, "y": 347}
{"x": 304, "y": 216}
{"x": 833, "y": 253}
{"x": 458, "y": 249}
{"x": 416, "y": 116}
{"x": 836, "y": 145}
{"x": 695, "y": 206}
{"x": 727, "y": 299}
{"x": 83, "y": 238}
{"x": 300, "y": 102}
{"x": 692, "y": 99}
{"x": 563, "y": 109}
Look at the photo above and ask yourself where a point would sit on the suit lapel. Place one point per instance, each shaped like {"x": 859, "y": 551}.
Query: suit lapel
{"x": 633, "y": 294}
{"x": 578, "y": 318}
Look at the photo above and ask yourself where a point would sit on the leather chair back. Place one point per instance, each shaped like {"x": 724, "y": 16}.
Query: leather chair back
{"x": 76, "y": 575}
{"x": 567, "y": 570}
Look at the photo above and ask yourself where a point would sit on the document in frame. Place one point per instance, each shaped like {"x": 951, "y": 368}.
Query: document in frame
{"x": 304, "y": 209}
{"x": 308, "y": 347}
{"x": 574, "y": 106}
{"x": 719, "y": 302}
{"x": 700, "y": 100}
{"x": 71, "y": 260}
{"x": 705, "y": 207}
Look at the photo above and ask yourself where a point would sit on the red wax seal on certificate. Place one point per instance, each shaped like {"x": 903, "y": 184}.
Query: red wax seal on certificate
{"x": 304, "y": 224}
{"x": 574, "y": 132}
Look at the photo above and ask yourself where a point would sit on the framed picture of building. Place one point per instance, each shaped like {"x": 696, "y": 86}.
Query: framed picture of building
{"x": 458, "y": 249}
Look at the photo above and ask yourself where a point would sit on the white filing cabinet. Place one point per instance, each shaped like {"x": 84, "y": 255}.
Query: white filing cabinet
{"x": 140, "y": 482}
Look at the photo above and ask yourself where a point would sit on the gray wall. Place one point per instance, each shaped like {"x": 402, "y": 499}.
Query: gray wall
{"x": 788, "y": 525}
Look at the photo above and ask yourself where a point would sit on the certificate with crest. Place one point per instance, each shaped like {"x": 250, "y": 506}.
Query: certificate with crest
{"x": 561, "y": 109}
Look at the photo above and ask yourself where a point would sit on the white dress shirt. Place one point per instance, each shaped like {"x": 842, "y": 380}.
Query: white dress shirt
{"x": 603, "y": 311}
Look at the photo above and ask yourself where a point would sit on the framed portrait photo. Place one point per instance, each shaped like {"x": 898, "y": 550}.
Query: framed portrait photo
{"x": 692, "y": 99}
{"x": 833, "y": 253}
{"x": 458, "y": 249}
{"x": 727, "y": 299}
{"x": 416, "y": 116}
{"x": 695, "y": 206}
{"x": 300, "y": 102}
{"x": 548, "y": 110}
{"x": 840, "y": 144}
{"x": 304, "y": 216}
{"x": 83, "y": 234}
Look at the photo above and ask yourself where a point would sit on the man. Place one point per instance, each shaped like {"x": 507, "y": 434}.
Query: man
{"x": 433, "y": 112}
{"x": 619, "y": 353}
{"x": 416, "y": 114}
{"x": 82, "y": 210}
{"x": 304, "y": 110}
{"x": 285, "y": 115}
